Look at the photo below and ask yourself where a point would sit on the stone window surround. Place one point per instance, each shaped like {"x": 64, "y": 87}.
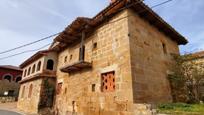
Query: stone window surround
{"x": 18, "y": 76}
{"x": 26, "y": 73}
{"x": 50, "y": 64}
{"x": 108, "y": 69}
{"x": 30, "y": 90}
{"x": 8, "y": 74}
{"x": 33, "y": 68}
{"x": 23, "y": 92}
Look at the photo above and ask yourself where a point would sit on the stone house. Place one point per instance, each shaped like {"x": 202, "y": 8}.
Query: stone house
{"x": 9, "y": 80}
{"x": 107, "y": 64}
{"x": 38, "y": 81}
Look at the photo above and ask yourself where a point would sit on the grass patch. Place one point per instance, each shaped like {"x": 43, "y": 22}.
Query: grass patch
{"x": 181, "y": 109}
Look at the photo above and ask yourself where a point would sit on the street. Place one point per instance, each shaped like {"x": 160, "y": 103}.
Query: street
{"x": 5, "y": 112}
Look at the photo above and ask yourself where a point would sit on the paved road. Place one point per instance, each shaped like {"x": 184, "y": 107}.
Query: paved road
{"x": 4, "y": 112}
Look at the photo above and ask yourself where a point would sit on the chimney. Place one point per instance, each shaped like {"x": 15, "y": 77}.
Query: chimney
{"x": 112, "y": 1}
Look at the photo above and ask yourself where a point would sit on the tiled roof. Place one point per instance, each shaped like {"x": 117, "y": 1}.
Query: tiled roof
{"x": 10, "y": 67}
{"x": 73, "y": 32}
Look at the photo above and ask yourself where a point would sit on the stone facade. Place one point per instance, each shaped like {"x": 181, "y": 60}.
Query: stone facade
{"x": 26, "y": 103}
{"x": 112, "y": 54}
{"x": 32, "y": 88}
{"x": 134, "y": 50}
{"x": 9, "y": 80}
{"x": 150, "y": 52}
{"x": 126, "y": 62}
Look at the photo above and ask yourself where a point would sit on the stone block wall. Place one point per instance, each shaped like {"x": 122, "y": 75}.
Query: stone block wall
{"x": 26, "y": 103}
{"x": 111, "y": 54}
{"x": 7, "y": 99}
{"x": 5, "y": 85}
{"x": 150, "y": 52}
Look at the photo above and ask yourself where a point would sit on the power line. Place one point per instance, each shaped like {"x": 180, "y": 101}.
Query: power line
{"x": 60, "y": 32}
{"x": 24, "y": 52}
{"x": 3, "y": 52}
{"x": 161, "y": 3}
{"x": 154, "y": 6}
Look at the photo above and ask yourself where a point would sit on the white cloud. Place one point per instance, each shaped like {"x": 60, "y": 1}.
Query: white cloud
{"x": 23, "y": 21}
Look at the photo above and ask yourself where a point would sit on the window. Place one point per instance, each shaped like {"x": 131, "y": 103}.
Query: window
{"x": 95, "y": 46}
{"x": 8, "y": 77}
{"x": 23, "y": 91}
{"x": 39, "y": 66}
{"x": 81, "y": 53}
{"x": 70, "y": 58}
{"x": 18, "y": 79}
{"x": 108, "y": 82}
{"x": 33, "y": 69}
{"x": 164, "y": 48}
{"x": 65, "y": 59}
{"x": 65, "y": 91}
{"x": 30, "y": 90}
{"x": 29, "y": 70}
{"x": 93, "y": 87}
{"x": 25, "y": 73}
{"x": 59, "y": 88}
{"x": 50, "y": 64}
{"x": 11, "y": 93}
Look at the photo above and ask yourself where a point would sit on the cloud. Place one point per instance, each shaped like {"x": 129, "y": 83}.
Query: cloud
{"x": 23, "y": 21}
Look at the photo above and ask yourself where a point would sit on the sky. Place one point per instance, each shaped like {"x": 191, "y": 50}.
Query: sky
{"x": 24, "y": 21}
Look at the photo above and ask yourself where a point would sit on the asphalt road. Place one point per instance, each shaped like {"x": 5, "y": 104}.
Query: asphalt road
{"x": 4, "y": 112}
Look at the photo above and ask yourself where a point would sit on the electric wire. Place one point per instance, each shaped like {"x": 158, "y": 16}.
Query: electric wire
{"x": 25, "y": 52}
{"x": 60, "y": 32}
{"x": 3, "y": 52}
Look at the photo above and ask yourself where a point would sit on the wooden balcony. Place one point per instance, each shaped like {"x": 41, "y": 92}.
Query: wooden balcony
{"x": 80, "y": 65}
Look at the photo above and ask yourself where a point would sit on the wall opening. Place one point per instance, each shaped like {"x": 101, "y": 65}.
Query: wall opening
{"x": 39, "y": 66}
{"x": 108, "y": 82}
{"x": 30, "y": 90}
{"x": 94, "y": 46}
{"x": 8, "y": 77}
{"x": 25, "y": 73}
{"x": 50, "y": 64}
{"x": 11, "y": 93}
{"x": 59, "y": 88}
{"x": 23, "y": 91}
{"x": 18, "y": 79}
{"x": 29, "y": 70}
{"x": 70, "y": 57}
{"x": 65, "y": 59}
{"x": 164, "y": 48}
{"x": 93, "y": 87}
{"x": 81, "y": 53}
{"x": 33, "y": 69}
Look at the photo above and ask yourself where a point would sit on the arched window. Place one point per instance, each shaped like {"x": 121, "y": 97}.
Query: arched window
{"x": 39, "y": 66}
{"x": 50, "y": 64}
{"x": 29, "y": 70}
{"x": 23, "y": 91}
{"x": 25, "y": 73}
{"x": 18, "y": 79}
{"x": 33, "y": 69}
{"x": 30, "y": 90}
{"x": 8, "y": 77}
